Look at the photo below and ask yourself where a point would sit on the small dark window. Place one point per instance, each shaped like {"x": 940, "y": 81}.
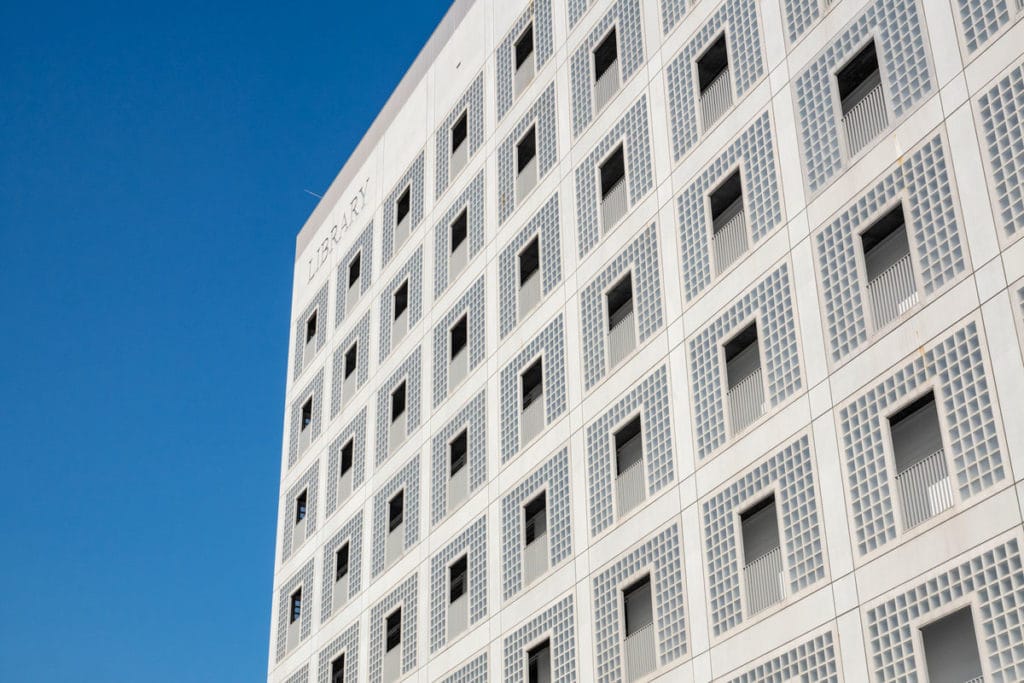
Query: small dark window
{"x": 533, "y": 383}
{"x": 628, "y": 445}
{"x": 620, "y": 300}
{"x": 539, "y": 662}
{"x": 741, "y": 355}
{"x": 858, "y": 77}
{"x": 346, "y": 456}
{"x": 524, "y": 46}
{"x": 311, "y": 327}
{"x": 529, "y": 260}
{"x": 350, "y": 359}
{"x": 636, "y": 602}
{"x": 353, "y": 269}
{"x": 307, "y": 412}
{"x": 727, "y": 199}
{"x": 535, "y": 516}
{"x": 338, "y": 670}
{"x": 459, "y": 131}
{"x": 526, "y": 149}
{"x": 398, "y": 402}
{"x": 296, "y": 606}
{"x": 402, "y": 206}
{"x": 341, "y": 563}
{"x": 393, "y": 626}
{"x": 300, "y": 507}
{"x": 459, "y": 229}
{"x": 605, "y": 55}
{"x": 457, "y": 574}
{"x": 712, "y": 63}
{"x": 457, "y": 451}
{"x": 401, "y": 299}
{"x": 760, "y": 528}
{"x": 885, "y": 242}
{"x": 396, "y": 508}
{"x": 613, "y": 170}
{"x": 458, "y": 335}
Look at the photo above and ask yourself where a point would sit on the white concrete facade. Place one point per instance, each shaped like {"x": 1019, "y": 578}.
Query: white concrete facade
{"x": 807, "y": 508}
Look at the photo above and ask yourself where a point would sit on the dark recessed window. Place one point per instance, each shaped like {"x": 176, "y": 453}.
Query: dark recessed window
{"x": 529, "y": 260}
{"x": 524, "y": 46}
{"x": 613, "y": 170}
{"x": 535, "y": 516}
{"x": 526, "y": 149}
{"x": 311, "y": 327}
{"x": 401, "y": 299}
{"x": 858, "y": 76}
{"x": 712, "y": 63}
{"x": 458, "y": 335}
{"x": 346, "y": 456}
{"x": 459, "y": 229}
{"x": 459, "y": 131}
{"x": 353, "y": 269}
{"x": 338, "y": 670}
{"x": 403, "y": 204}
{"x": 457, "y": 574}
{"x": 396, "y": 508}
{"x": 300, "y": 507}
{"x": 533, "y": 383}
{"x": 307, "y": 412}
{"x": 605, "y": 55}
{"x": 351, "y": 358}
{"x": 296, "y": 611}
{"x": 341, "y": 563}
{"x": 398, "y": 402}
{"x": 393, "y": 626}
{"x": 457, "y": 451}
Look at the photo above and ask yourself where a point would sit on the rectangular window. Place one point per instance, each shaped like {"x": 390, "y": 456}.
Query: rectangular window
{"x": 460, "y": 131}
{"x": 621, "y": 324}
{"x": 351, "y": 357}
{"x": 526, "y": 163}
{"x": 951, "y": 649}
{"x": 459, "y": 229}
{"x": 525, "y": 62}
{"x": 457, "y": 451}
{"x": 346, "y": 457}
{"x": 538, "y": 660}
{"x": 922, "y": 476}
{"x": 401, "y": 299}
{"x": 296, "y": 602}
{"x": 396, "y": 509}
{"x": 457, "y": 578}
{"x": 535, "y": 552}
{"x": 714, "y": 82}
{"x": 400, "y": 322}
{"x": 393, "y": 627}
{"x": 341, "y": 563}
{"x": 630, "y": 483}
{"x": 529, "y": 292}
{"x": 338, "y": 670}
{"x": 460, "y": 150}
{"x": 892, "y": 289}
{"x": 639, "y": 650}
{"x": 300, "y": 506}
{"x": 614, "y": 199}
{"x": 862, "y": 99}
{"x": 524, "y": 46}
{"x": 305, "y": 422}
{"x": 458, "y": 473}
{"x": 398, "y": 402}
{"x": 307, "y": 413}
{"x": 535, "y": 518}
{"x": 403, "y": 205}
{"x": 764, "y": 579}
{"x": 311, "y": 327}
{"x": 637, "y": 607}
{"x": 728, "y": 222}
{"x": 457, "y": 336}
{"x": 459, "y": 246}
{"x": 743, "y": 374}
{"x": 459, "y": 357}
{"x": 532, "y": 418}
{"x": 606, "y": 70}
{"x": 354, "y": 269}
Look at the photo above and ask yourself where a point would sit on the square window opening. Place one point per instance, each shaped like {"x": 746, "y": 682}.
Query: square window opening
{"x": 712, "y": 64}
{"x": 858, "y": 76}
{"x": 951, "y": 649}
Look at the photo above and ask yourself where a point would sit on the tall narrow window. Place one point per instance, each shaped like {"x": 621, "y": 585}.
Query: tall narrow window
{"x": 606, "y": 70}
{"x": 341, "y": 584}
{"x": 621, "y": 325}
{"x": 296, "y": 602}
{"x": 345, "y": 471}
{"x": 394, "y": 545}
{"x": 922, "y": 476}
{"x": 532, "y": 417}
{"x": 338, "y": 669}
{"x": 614, "y": 199}
{"x": 862, "y": 99}
{"x": 348, "y": 385}
{"x": 354, "y": 282}
{"x": 341, "y": 563}
{"x": 728, "y": 222}
{"x": 892, "y": 289}
{"x": 538, "y": 663}
{"x": 460, "y": 247}
{"x": 743, "y": 374}
{"x": 458, "y": 602}
{"x": 402, "y": 220}
{"x": 526, "y": 164}
{"x": 396, "y": 509}
{"x": 951, "y": 649}
{"x": 299, "y": 527}
{"x": 458, "y": 481}
{"x": 305, "y": 428}
{"x": 638, "y": 616}
{"x": 762, "y": 571}
{"x": 393, "y": 626}
{"x": 300, "y": 507}
{"x": 524, "y": 59}
{"x": 400, "y": 324}
{"x": 535, "y": 552}
{"x": 529, "y": 277}
{"x": 398, "y": 431}
{"x": 714, "y": 82}
{"x": 294, "y": 632}
{"x": 457, "y": 338}
{"x": 309, "y": 350}
{"x": 460, "y": 149}
{"x": 630, "y": 485}
{"x": 391, "y": 666}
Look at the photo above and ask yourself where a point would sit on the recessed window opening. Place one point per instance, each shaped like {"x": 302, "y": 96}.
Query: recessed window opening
{"x": 726, "y": 200}
{"x": 858, "y": 77}
{"x": 346, "y": 456}
{"x": 458, "y": 335}
{"x": 951, "y": 649}
{"x": 341, "y": 563}
{"x": 393, "y": 628}
{"x": 533, "y": 383}
{"x": 862, "y": 99}
{"x": 524, "y": 46}
{"x": 728, "y": 222}
{"x": 296, "y": 603}
{"x": 760, "y": 529}
{"x": 742, "y": 356}
{"x": 457, "y": 451}
{"x": 892, "y": 289}
{"x": 307, "y": 413}
{"x": 620, "y": 301}
{"x": 401, "y": 299}
{"x": 351, "y": 358}
{"x": 636, "y": 602}
{"x": 526, "y": 149}
{"x": 535, "y": 517}
{"x": 460, "y": 130}
{"x": 605, "y": 54}
{"x": 459, "y": 229}
{"x": 922, "y": 476}
{"x": 762, "y": 555}
{"x": 712, "y": 64}
{"x": 628, "y": 445}
{"x": 743, "y": 375}
{"x": 300, "y": 507}
{"x": 338, "y": 670}
{"x": 529, "y": 260}
{"x": 457, "y": 579}
{"x": 396, "y": 509}
{"x": 398, "y": 402}
{"x": 353, "y": 269}
{"x": 613, "y": 171}
{"x": 402, "y": 205}
{"x": 539, "y": 663}
{"x": 311, "y": 327}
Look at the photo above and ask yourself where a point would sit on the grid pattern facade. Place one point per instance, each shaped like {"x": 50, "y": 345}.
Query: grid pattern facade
{"x": 473, "y": 418}
{"x": 661, "y": 558}
{"x": 545, "y": 227}
{"x": 814, "y": 660}
{"x": 471, "y": 305}
{"x": 412, "y": 181}
{"x": 956, "y": 370}
{"x": 362, "y": 247}
{"x": 472, "y": 542}
{"x": 404, "y": 596}
{"x": 409, "y": 372}
{"x": 360, "y": 336}
{"x": 672, "y": 12}
{"x": 801, "y": 15}
{"x": 632, "y": 131}
{"x": 650, "y": 399}
{"x": 472, "y": 202}
{"x": 303, "y": 579}
{"x": 789, "y": 474}
{"x": 313, "y": 390}
{"x": 1002, "y": 122}
{"x": 474, "y": 671}
{"x": 318, "y": 304}
{"x": 559, "y": 623}
{"x": 980, "y": 21}
{"x": 351, "y": 533}
{"x": 308, "y": 482}
{"x": 539, "y": 13}
{"x": 412, "y": 273}
{"x": 542, "y": 115}
{"x": 354, "y": 431}
{"x": 471, "y": 104}
{"x": 348, "y": 644}
{"x": 407, "y": 480}
{"x": 300, "y": 676}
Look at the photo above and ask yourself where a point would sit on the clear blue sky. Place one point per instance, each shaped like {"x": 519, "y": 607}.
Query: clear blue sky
{"x": 152, "y": 165}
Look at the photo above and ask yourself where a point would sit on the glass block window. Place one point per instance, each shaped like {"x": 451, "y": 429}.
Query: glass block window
{"x": 650, "y": 400}
{"x": 559, "y": 621}
{"x": 633, "y": 133}
{"x": 980, "y": 20}
{"x": 407, "y": 481}
{"x": 1001, "y": 110}
{"x": 345, "y": 647}
{"x": 355, "y": 273}
{"x": 411, "y": 182}
{"x": 661, "y": 556}
{"x": 538, "y": 13}
{"x": 801, "y": 15}
{"x": 471, "y": 542}
{"x": 352, "y": 437}
{"x": 771, "y": 302}
{"x": 474, "y": 671}
{"x": 672, "y": 12}
{"x": 550, "y": 345}
{"x": 306, "y": 414}
{"x": 746, "y": 67}
{"x": 310, "y": 332}
{"x": 359, "y": 340}
{"x": 542, "y": 118}
{"x": 991, "y": 579}
{"x": 350, "y": 534}
{"x": 300, "y": 676}
{"x": 472, "y": 419}
{"x": 956, "y": 369}
{"x": 896, "y": 28}
{"x": 410, "y": 373}
{"x": 412, "y": 275}
{"x": 624, "y": 15}
{"x": 752, "y": 154}
{"x": 300, "y": 580}
{"x": 403, "y": 597}
{"x": 923, "y": 182}
{"x": 641, "y": 260}
{"x": 813, "y": 660}
{"x": 470, "y": 203}
{"x": 552, "y": 477}
{"x": 472, "y": 306}
{"x": 543, "y": 226}
{"x": 308, "y": 482}
{"x": 470, "y": 105}
{"x": 788, "y": 473}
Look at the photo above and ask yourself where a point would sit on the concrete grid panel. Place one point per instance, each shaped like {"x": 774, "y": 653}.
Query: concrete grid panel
{"x": 472, "y": 201}
{"x": 632, "y": 130}
{"x": 412, "y": 179}
{"x": 314, "y": 389}
{"x": 407, "y": 479}
{"x": 753, "y": 153}
{"x": 1001, "y": 110}
{"x": 410, "y": 371}
{"x": 559, "y": 622}
{"x": 813, "y": 660}
{"x": 672, "y": 12}
{"x": 404, "y": 596}
{"x": 474, "y": 671}
{"x": 649, "y": 398}
{"x": 543, "y": 114}
{"x": 471, "y": 542}
{"x": 473, "y": 418}
{"x": 789, "y": 474}
{"x": 922, "y": 181}
{"x": 980, "y": 20}
{"x": 472, "y": 305}
{"x": 302, "y": 578}
{"x": 906, "y": 77}
{"x": 956, "y": 369}
{"x": 661, "y": 556}
{"x": 348, "y": 644}
{"x": 300, "y": 676}
{"x": 413, "y": 272}
{"x": 356, "y": 432}
{"x": 801, "y": 15}
{"x": 472, "y": 103}
{"x": 352, "y": 533}
{"x": 538, "y": 12}
{"x": 309, "y": 481}
{"x": 318, "y": 304}
{"x": 363, "y": 246}
{"x": 545, "y": 226}
{"x": 360, "y": 335}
